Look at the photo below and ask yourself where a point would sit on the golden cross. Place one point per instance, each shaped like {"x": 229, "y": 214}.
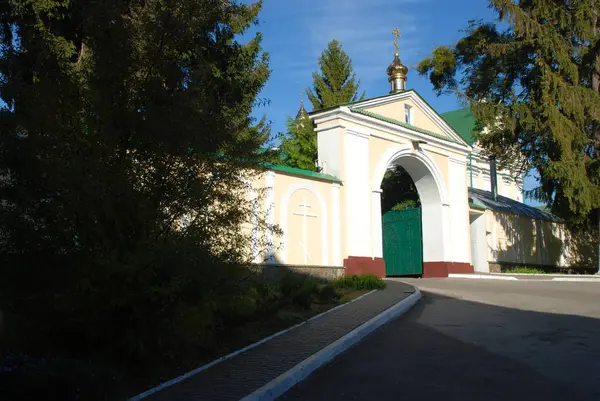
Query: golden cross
{"x": 396, "y": 33}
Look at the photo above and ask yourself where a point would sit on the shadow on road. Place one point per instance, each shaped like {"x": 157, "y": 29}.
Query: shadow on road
{"x": 452, "y": 349}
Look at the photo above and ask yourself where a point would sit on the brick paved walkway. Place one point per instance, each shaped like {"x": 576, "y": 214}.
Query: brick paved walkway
{"x": 239, "y": 376}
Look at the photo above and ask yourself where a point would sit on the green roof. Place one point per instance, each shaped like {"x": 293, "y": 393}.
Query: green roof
{"x": 301, "y": 172}
{"x": 463, "y": 122}
{"x": 403, "y": 124}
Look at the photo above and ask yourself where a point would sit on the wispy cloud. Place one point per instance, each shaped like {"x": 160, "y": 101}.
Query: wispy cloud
{"x": 365, "y": 30}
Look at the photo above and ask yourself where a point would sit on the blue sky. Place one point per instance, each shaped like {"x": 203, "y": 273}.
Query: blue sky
{"x": 295, "y": 34}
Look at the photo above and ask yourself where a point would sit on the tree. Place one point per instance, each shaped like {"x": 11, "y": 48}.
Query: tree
{"x": 336, "y": 83}
{"x": 535, "y": 86}
{"x": 123, "y": 125}
{"x": 398, "y": 191}
{"x": 299, "y": 145}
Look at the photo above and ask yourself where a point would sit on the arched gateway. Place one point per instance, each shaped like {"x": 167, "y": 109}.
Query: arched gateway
{"x": 359, "y": 142}
{"x": 471, "y": 216}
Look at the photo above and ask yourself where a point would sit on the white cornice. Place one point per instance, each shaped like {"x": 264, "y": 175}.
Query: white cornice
{"x": 358, "y": 133}
{"x": 345, "y": 114}
{"x": 453, "y": 159}
{"x": 416, "y": 98}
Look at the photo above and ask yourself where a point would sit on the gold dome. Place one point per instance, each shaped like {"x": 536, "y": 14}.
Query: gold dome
{"x": 397, "y": 69}
{"x": 302, "y": 112}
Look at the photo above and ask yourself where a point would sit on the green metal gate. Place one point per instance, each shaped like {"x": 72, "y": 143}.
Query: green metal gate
{"x": 403, "y": 242}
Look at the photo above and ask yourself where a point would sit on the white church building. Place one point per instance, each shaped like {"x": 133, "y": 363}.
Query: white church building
{"x": 332, "y": 222}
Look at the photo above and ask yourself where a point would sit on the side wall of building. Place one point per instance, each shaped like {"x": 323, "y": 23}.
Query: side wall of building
{"x": 520, "y": 240}
{"x": 307, "y": 211}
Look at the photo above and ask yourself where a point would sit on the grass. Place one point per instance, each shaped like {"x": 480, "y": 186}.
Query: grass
{"x": 526, "y": 270}
{"x": 359, "y": 282}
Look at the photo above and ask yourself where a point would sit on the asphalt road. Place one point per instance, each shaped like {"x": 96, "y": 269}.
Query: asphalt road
{"x": 475, "y": 340}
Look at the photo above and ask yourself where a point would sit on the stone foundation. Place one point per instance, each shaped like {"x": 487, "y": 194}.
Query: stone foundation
{"x": 364, "y": 265}
{"x": 277, "y": 272}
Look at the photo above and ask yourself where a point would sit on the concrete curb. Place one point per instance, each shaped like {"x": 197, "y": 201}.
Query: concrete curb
{"x": 481, "y": 276}
{"x": 231, "y": 355}
{"x": 528, "y": 277}
{"x": 289, "y": 379}
{"x": 579, "y": 280}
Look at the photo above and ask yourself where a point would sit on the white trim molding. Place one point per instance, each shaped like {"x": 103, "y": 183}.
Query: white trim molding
{"x": 411, "y": 94}
{"x": 394, "y": 153}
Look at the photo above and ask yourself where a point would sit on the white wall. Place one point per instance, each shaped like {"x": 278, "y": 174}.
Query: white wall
{"x": 459, "y": 212}
{"x": 479, "y": 243}
{"x": 357, "y": 193}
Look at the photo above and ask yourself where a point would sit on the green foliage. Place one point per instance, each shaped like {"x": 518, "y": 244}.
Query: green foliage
{"x": 536, "y": 86}
{"x": 336, "y": 83}
{"x": 111, "y": 247}
{"x": 306, "y": 294}
{"x": 526, "y": 270}
{"x": 359, "y": 282}
{"x": 329, "y": 293}
{"x": 299, "y": 144}
{"x": 398, "y": 191}
{"x": 300, "y": 291}
{"x": 303, "y": 291}
{"x": 407, "y": 204}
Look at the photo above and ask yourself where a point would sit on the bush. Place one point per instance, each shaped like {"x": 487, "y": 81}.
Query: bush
{"x": 328, "y": 294}
{"x": 404, "y": 205}
{"x": 526, "y": 270}
{"x": 301, "y": 291}
{"x": 305, "y": 296}
{"x": 290, "y": 284}
{"x": 359, "y": 282}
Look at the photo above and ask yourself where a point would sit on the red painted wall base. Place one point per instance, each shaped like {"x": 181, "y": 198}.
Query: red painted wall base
{"x": 364, "y": 265}
{"x": 442, "y": 269}
{"x": 460, "y": 268}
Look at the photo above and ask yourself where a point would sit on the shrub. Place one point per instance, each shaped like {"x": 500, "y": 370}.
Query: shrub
{"x": 300, "y": 291}
{"x": 359, "y": 282}
{"x": 269, "y": 297}
{"x": 526, "y": 270}
{"x": 305, "y": 296}
{"x": 328, "y": 294}
{"x": 404, "y": 205}
{"x": 290, "y": 283}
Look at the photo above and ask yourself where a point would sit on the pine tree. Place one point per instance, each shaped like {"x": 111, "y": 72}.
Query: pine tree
{"x": 336, "y": 83}
{"x": 299, "y": 145}
{"x": 113, "y": 118}
{"x": 535, "y": 85}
